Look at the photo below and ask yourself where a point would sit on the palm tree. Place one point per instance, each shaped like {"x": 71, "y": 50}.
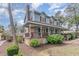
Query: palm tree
{"x": 12, "y": 24}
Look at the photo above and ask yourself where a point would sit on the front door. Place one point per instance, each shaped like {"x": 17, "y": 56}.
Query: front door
{"x": 37, "y": 32}
{"x": 45, "y": 32}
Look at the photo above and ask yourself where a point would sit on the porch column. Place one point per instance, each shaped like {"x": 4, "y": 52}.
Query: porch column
{"x": 54, "y": 30}
{"x": 49, "y": 31}
{"x": 29, "y": 30}
{"x": 41, "y": 31}
{"x": 59, "y": 31}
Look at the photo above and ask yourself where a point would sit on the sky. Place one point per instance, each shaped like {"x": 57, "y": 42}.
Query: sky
{"x": 18, "y": 11}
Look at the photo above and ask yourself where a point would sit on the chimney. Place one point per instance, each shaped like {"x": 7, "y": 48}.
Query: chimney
{"x": 28, "y": 12}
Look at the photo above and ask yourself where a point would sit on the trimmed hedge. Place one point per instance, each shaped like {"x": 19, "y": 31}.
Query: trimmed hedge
{"x": 34, "y": 43}
{"x": 12, "y": 50}
{"x": 55, "y": 39}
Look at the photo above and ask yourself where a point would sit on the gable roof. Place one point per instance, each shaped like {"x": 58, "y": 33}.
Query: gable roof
{"x": 54, "y": 18}
{"x": 40, "y": 13}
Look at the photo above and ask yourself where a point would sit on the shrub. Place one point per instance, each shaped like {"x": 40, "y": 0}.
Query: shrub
{"x": 73, "y": 35}
{"x": 55, "y": 38}
{"x": 34, "y": 43}
{"x": 69, "y": 36}
{"x": 19, "y": 39}
{"x": 12, "y": 50}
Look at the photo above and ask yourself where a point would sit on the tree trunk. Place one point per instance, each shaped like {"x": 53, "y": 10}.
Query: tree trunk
{"x": 75, "y": 21}
{"x": 76, "y": 30}
{"x": 12, "y": 24}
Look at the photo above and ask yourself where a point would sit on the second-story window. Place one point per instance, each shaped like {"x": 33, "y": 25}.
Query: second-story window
{"x": 47, "y": 20}
{"x": 37, "y": 18}
{"x": 31, "y": 16}
{"x": 43, "y": 20}
{"x": 60, "y": 24}
{"x": 55, "y": 23}
{"x": 51, "y": 21}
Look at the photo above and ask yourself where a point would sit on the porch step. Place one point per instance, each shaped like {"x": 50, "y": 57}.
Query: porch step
{"x": 27, "y": 41}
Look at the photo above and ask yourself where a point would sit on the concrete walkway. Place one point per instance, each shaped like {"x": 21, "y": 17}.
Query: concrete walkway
{"x": 2, "y": 42}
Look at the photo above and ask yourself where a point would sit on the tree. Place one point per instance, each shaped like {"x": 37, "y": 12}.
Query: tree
{"x": 72, "y": 12}
{"x": 12, "y": 24}
{"x": 1, "y": 29}
{"x": 61, "y": 17}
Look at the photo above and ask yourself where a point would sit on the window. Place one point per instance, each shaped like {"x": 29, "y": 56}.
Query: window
{"x": 55, "y": 22}
{"x": 43, "y": 20}
{"x": 39, "y": 31}
{"x": 31, "y": 15}
{"x": 37, "y": 18}
{"x": 60, "y": 24}
{"x": 47, "y": 30}
{"x": 52, "y": 21}
{"x": 47, "y": 20}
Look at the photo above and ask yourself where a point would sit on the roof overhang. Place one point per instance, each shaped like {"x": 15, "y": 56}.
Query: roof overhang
{"x": 43, "y": 24}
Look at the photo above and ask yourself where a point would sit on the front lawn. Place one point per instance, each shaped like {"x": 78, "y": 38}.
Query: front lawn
{"x": 69, "y": 48}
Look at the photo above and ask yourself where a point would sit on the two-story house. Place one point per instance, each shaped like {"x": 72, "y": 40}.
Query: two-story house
{"x": 40, "y": 25}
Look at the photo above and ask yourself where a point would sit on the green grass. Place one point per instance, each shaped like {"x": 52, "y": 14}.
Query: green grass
{"x": 68, "y": 50}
